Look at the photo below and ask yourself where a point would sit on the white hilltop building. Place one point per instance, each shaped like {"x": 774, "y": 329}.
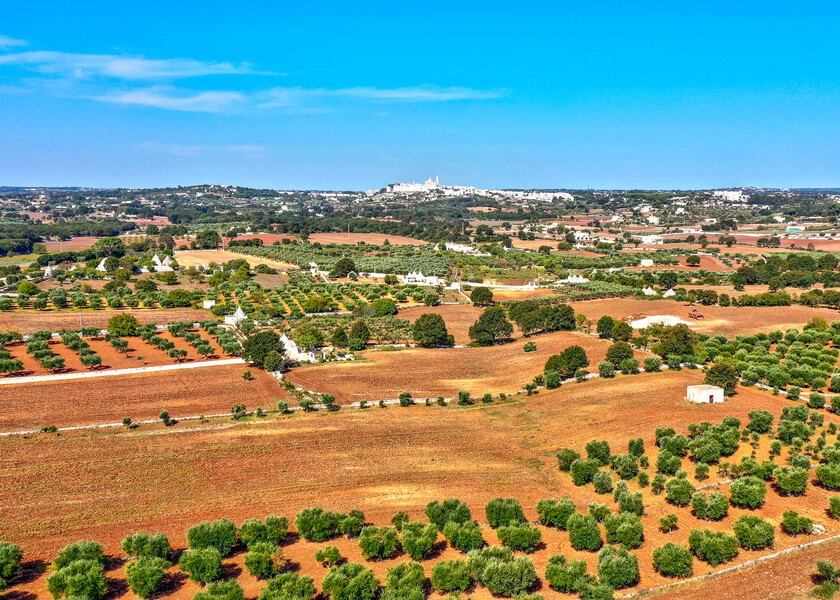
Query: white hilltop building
{"x": 414, "y": 187}
{"x": 705, "y": 394}
{"x": 730, "y": 195}
{"x": 236, "y": 318}
{"x": 417, "y": 278}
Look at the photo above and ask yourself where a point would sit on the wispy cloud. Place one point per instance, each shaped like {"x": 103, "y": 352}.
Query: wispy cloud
{"x": 191, "y": 150}
{"x": 82, "y": 66}
{"x": 9, "y": 42}
{"x": 292, "y": 96}
{"x": 209, "y": 101}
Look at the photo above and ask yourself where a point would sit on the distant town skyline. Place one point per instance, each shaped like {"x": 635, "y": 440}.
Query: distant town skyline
{"x": 340, "y": 95}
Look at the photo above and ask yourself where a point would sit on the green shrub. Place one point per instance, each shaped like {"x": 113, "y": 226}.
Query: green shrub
{"x": 273, "y": 531}
{"x": 565, "y": 458}
{"x": 82, "y": 578}
{"x": 603, "y": 482}
{"x": 10, "y": 559}
{"x": 463, "y": 536}
{"x": 668, "y": 523}
{"x": 748, "y": 492}
{"x": 520, "y": 536}
{"x": 714, "y": 547}
{"x": 791, "y": 480}
{"x": 316, "y": 524}
{"x": 829, "y": 476}
{"x": 405, "y": 581}
{"x": 565, "y": 576}
{"x": 584, "y": 533}
{"x": 599, "y": 511}
{"x": 625, "y": 529}
{"x": 220, "y": 535}
{"x": 378, "y": 542}
{"x": 598, "y": 451}
{"x": 617, "y": 567}
{"x": 652, "y": 364}
{"x": 146, "y": 545}
{"x": 668, "y": 463}
{"x": 329, "y": 556}
{"x": 606, "y": 369}
{"x": 262, "y": 560}
{"x": 451, "y": 576}
{"x": 555, "y": 513}
{"x": 145, "y": 575}
{"x": 81, "y": 550}
{"x": 714, "y": 507}
{"x": 626, "y": 465}
{"x": 202, "y": 564}
{"x": 673, "y": 560}
{"x": 221, "y": 590}
{"x": 441, "y": 513}
{"x": 350, "y": 581}
{"x": 418, "y": 539}
{"x": 501, "y": 573}
{"x": 753, "y": 533}
{"x": 679, "y": 491}
{"x": 289, "y": 586}
{"x": 834, "y": 506}
{"x": 583, "y": 471}
{"x": 503, "y": 511}
{"x": 794, "y": 524}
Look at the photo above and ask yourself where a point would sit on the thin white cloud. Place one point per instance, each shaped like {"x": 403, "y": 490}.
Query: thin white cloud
{"x": 137, "y": 68}
{"x": 209, "y": 101}
{"x": 292, "y": 96}
{"x": 9, "y": 42}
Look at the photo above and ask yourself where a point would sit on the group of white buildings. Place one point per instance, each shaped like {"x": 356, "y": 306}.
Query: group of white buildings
{"x": 434, "y": 186}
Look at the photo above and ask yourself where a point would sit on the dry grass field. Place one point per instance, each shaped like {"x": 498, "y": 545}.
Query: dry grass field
{"x": 187, "y": 392}
{"x": 729, "y": 321}
{"x": 104, "y": 485}
{"x": 202, "y": 257}
{"x": 29, "y": 321}
{"x": 429, "y": 373}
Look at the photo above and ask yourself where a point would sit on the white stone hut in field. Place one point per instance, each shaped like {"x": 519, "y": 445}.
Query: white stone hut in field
{"x": 48, "y": 272}
{"x": 208, "y": 304}
{"x": 649, "y": 291}
{"x": 294, "y": 352}
{"x": 669, "y": 294}
{"x": 236, "y": 317}
{"x": 646, "y": 262}
{"x": 101, "y": 266}
{"x": 705, "y": 394}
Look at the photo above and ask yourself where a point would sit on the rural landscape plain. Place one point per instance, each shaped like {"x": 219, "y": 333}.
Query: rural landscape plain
{"x": 338, "y": 302}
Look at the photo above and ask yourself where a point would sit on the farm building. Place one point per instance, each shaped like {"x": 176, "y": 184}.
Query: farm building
{"x": 236, "y": 317}
{"x": 646, "y": 262}
{"x": 208, "y": 304}
{"x": 705, "y": 394}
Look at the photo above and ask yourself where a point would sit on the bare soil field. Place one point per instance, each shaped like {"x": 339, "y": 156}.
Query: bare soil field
{"x": 29, "y": 321}
{"x": 202, "y": 257}
{"x": 138, "y": 354}
{"x": 534, "y": 244}
{"x": 104, "y": 485}
{"x": 458, "y": 318}
{"x": 501, "y": 295}
{"x": 728, "y": 321}
{"x": 189, "y": 392}
{"x": 76, "y": 243}
{"x": 433, "y": 372}
{"x": 368, "y": 238}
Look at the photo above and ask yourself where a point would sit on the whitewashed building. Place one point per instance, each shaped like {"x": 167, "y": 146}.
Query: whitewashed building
{"x": 646, "y": 262}
{"x": 649, "y": 291}
{"x": 236, "y": 318}
{"x": 294, "y": 352}
{"x": 705, "y": 394}
{"x": 417, "y": 278}
{"x": 101, "y": 266}
{"x": 652, "y": 239}
{"x": 208, "y": 304}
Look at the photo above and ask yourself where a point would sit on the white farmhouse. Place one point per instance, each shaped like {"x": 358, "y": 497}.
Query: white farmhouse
{"x": 646, "y": 262}
{"x": 294, "y": 352}
{"x": 652, "y": 239}
{"x": 705, "y": 394}
{"x": 417, "y": 278}
{"x": 236, "y": 318}
{"x": 649, "y": 291}
{"x": 574, "y": 278}
{"x": 48, "y": 272}
{"x": 581, "y": 236}
{"x": 653, "y": 220}
{"x": 208, "y": 304}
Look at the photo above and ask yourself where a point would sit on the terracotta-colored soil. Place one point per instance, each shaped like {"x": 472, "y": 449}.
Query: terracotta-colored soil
{"x": 368, "y": 238}
{"x": 433, "y": 372}
{"x": 458, "y": 318}
{"x": 104, "y": 485}
{"x": 73, "y": 244}
{"x": 729, "y": 321}
{"x": 187, "y": 392}
{"x": 30, "y": 321}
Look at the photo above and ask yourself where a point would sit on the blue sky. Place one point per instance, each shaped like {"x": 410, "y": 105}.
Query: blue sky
{"x": 355, "y": 95}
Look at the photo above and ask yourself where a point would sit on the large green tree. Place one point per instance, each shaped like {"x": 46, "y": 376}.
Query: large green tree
{"x": 429, "y": 330}
{"x": 258, "y": 346}
{"x": 491, "y": 327}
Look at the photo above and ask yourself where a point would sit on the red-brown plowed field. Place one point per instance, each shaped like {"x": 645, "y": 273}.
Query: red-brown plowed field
{"x": 186, "y": 392}
{"x": 728, "y": 321}
{"x": 432, "y": 372}
{"x": 51, "y": 320}
{"x": 74, "y": 244}
{"x": 138, "y": 354}
{"x": 458, "y": 318}
{"x": 202, "y": 257}
{"x": 103, "y": 485}
{"x": 368, "y": 238}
